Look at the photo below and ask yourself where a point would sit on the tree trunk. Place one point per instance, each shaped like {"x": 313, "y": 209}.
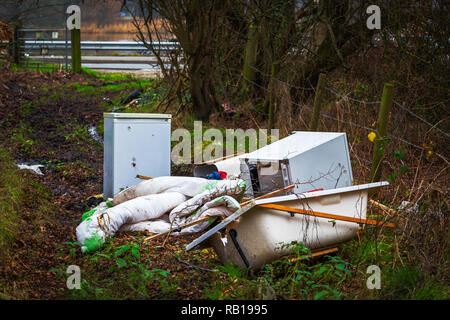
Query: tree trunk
{"x": 251, "y": 53}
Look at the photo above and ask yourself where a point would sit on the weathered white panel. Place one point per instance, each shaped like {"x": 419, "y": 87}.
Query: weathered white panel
{"x": 134, "y": 144}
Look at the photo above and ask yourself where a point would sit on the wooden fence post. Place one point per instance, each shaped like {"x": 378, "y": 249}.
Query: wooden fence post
{"x": 318, "y": 100}
{"x": 16, "y": 44}
{"x": 378, "y": 149}
{"x": 75, "y": 40}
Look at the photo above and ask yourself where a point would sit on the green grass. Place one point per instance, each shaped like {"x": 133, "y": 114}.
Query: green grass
{"x": 25, "y": 209}
{"x": 11, "y": 193}
{"x": 124, "y": 86}
{"x": 29, "y": 64}
{"x": 119, "y": 271}
{"x": 109, "y": 76}
{"x": 17, "y": 193}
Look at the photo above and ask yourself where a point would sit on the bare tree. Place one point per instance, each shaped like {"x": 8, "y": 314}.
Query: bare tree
{"x": 304, "y": 38}
{"x": 201, "y": 28}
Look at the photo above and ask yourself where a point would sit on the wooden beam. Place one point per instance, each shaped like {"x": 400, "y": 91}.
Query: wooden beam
{"x": 180, "y": 227}
{"x": 324, "y": 215}
{"x": 270, "y": 194}
{"x": 386, "y": 209}
{"x": 315, "y": 253}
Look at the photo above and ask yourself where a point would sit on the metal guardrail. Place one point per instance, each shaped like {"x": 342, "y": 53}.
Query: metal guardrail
{"x": 31, "y": 45}
{"x": 47, "y": 46}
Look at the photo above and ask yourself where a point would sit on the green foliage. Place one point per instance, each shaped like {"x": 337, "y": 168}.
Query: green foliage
{"x": 78, "y": 135}
{"x": 26, "y": 109}
{"x": 409, "y": 282}
{"x": 132, "y": 277}
{"x": 21, "y": 136}
{"x": 11, "y": 192}
{"x": 293, "y": 277}
{"x": 398, "y": 165}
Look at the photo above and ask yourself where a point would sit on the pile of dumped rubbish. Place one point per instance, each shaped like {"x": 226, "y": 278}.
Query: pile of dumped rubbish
{"x": 298, "y": 189}
{"x": 159, "y": 205}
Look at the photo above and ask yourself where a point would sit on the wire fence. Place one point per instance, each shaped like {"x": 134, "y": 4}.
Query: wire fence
{"x": 281, "y": 81}
{"x": 356, "y": 125}
{"x": 350, "y": 98}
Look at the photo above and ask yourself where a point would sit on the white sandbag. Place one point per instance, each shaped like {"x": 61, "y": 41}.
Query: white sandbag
{"x": 222, "y": 206}
{"x": 153, "y": 226}
{"x": 144, "y": 208}
{"x": 189, "y": 186}
{"x": 215, "y": 189}
{"x": 219, "y": 207}
{"x": 139, "y": 213}
{"x": 92, "y": 232}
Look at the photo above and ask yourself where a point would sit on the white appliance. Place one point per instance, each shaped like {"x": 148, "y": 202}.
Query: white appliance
{"x": 134, "y": 143}
{"x": 310, "y": 160}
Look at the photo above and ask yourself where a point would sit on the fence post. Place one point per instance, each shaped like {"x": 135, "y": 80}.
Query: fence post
{"x": 271, "y": 108}
{"x": 16, "y": 44}
{"x": 318, "y": 99}
{"x": 378, "y": 149}
{"x": 76, "y": 50}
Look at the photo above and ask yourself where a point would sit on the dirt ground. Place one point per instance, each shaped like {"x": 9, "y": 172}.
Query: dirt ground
{"x": 38, "y": 114}
{"x": 43, "y": 121}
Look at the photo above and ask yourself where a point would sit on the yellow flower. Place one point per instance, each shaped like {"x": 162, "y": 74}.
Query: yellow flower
{"x": 372, "y": 136}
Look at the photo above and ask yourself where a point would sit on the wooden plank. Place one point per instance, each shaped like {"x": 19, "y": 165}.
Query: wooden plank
{"x": 270, "y": 194}
{"x": 315, "y": 254}
{"x": 192, "y": 223}
{"x": 325, "y": 215}
{"x": 386, "y": 209}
